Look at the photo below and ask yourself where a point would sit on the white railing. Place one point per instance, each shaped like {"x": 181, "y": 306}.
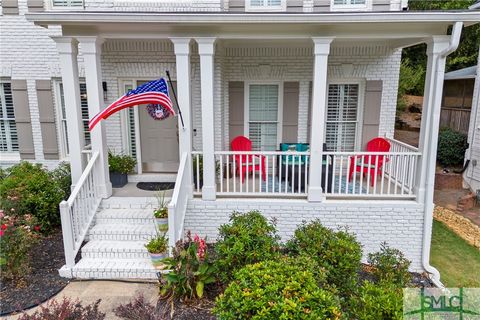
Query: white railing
{"x": 382, "y": 175}
{"x": 370, "y": 174}
{"x": 178, "y": 205}
{"x": 257, "y": 173}
{"x": 399, "y": 146}
{"x": 78, "y": 211}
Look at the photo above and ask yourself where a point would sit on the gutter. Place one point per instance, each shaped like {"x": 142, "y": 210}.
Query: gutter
{"x": 87, "y": 17}
{"x": 429, "y": 206}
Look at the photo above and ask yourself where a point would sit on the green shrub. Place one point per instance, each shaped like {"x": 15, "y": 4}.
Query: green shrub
{"x": 390, "y": 265}
{"x": 247, "y": 239}
{"x": 451, "y": 147}
{"x": 30, "y": 189}
{"x": 278, "y": 289}
{"x": 17, "y": 235}
{"x": 377, "y": 301}
{"x": 191, "y": 269}
{"x": 63, "y": 178}
{"x": 338, "y": 252}
{"x": 121, "y": 163}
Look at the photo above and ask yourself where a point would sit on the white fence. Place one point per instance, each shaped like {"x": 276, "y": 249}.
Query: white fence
{"x": 78, "y": 211}
{"x": 178, "y": 205}
{"x": 285, "y": 174}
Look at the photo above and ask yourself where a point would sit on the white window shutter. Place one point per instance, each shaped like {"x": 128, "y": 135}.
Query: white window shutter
{"x": 8, "y": 128}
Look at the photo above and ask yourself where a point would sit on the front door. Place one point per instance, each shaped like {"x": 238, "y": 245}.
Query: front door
{"x": 158, "y": 142}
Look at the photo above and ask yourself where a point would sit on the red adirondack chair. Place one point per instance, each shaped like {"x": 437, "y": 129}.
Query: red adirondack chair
{"x": 245, "y": 162}
{"x": 371, "y": 164}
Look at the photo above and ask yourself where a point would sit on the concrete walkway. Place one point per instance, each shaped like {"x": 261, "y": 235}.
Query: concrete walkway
{"x": 112, "y": 294}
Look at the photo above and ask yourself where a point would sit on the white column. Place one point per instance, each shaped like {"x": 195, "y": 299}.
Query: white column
{"x": 68, "y": 50}
{"x": 91, "y": 50}
{"x": 431, "y": 116}
{"x": 182, "y": 54}
{"x": 206, "y": 50}
{"x": 317, "y": 132}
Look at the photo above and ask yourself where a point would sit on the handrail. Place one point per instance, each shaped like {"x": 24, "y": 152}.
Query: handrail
{"x": 78, "y": 211}
{"x": 83, "y": 178}
{"x": 403, "y": 144}
{"x": 178, "y": 204}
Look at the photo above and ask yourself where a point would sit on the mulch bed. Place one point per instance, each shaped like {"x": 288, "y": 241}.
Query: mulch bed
{"x": 42, "y": 282}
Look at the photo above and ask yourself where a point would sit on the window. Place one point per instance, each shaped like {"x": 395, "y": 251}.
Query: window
{"x": 263, "y": 116}
{"x": 352, "y": 5}
{"x": 8, "y": 128}
{"x": 63, "y": 117}
{"x": 342, "y": 117}
{"x": 265, "y": 5}
{"x": 67, "y": 3}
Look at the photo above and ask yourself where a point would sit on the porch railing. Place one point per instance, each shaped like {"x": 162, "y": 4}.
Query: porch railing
{"x": 178, "y": 205}
{"x": 382, "y": 175}
{"x": 78, "y": 211}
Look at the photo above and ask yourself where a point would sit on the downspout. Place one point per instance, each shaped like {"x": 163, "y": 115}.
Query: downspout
{"x": 428, "y": 201}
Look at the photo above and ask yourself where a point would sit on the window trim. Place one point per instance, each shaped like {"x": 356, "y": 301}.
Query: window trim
{"x": 11, "y": 155}
{"x": 367, "y": 6}
{"x": 280, "y": 8}
{"x": 360, "y": 109}
{"x": 246, "y": 110}
{"x": 53, "y": 7}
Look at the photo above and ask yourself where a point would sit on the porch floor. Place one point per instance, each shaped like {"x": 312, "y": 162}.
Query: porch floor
{"x": 131, "y": 190}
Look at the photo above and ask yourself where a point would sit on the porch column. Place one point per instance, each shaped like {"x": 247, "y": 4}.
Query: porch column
{"x": 182, "y": 54}
{"x": 68, "y": 50}
{"x": 91, "y": 50}
{"x": 431, "y": 117}
{"x": 206, "y": 50}
{"x": 317, "y": 132}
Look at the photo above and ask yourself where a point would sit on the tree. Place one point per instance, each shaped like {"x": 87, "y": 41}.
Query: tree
{"x": 414, "y": 59}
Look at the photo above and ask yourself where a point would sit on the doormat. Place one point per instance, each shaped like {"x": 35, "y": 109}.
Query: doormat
{"x": 156, "y": 186}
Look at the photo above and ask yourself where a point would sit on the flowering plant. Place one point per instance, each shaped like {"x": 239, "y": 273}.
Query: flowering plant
{"x": 191, "y": 269}
{"x": 17, "y": 235}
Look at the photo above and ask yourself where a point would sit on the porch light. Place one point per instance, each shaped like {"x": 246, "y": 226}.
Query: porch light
{"x": 104, "y": 86}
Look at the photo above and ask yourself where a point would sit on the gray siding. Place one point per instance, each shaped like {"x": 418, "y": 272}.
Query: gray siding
{"x": 290, "y": 111}
{"x": 236, "y": 108}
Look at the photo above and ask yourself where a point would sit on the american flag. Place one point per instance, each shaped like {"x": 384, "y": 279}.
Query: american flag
{"x": 153, "y": 92}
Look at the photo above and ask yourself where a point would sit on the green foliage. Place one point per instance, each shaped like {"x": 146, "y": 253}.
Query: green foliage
{"x": 63, "y": 178}
{"x": 377, "y": 301}
{"x": 412, "y": 79}
{"x": 66, "y": 309}
{"x": 159, "y": 244}
{"x": 121, "y": 163}
{"x": 390, "y": 265}
{"x": 451, "y": 147}
{"x": 162, "y": 210}
{"x": 17, "y": 235}
{"x": 247, "y": 239}
{"x": 338, "y": 252}
{"x": 30, "y": 189}
{"x": 279, "y": 289}
{"x": 191, "y": 270}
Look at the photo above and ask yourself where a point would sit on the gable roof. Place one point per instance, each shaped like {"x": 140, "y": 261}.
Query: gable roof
{"x": 465, "y": 73}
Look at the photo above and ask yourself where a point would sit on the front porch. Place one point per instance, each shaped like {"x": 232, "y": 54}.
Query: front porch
{"x": 329, "y": 85}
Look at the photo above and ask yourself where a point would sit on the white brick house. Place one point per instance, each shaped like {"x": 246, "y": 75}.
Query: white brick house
{"x": 321, "y": 71}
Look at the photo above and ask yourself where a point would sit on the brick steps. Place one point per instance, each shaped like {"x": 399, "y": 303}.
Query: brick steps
{"x": 116, "y": 242}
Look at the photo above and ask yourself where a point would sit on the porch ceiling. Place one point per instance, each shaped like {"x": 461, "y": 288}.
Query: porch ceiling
{"x": 346, "y": 26}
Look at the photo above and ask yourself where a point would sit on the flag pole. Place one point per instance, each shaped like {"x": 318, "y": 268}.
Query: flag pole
{"x": 175, "y": 96}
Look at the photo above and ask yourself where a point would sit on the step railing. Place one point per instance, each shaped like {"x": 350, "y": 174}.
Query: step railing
{"x": 178, "y": 204}
{"x": 399, "y": 146}
{"x": 78, "y": 211}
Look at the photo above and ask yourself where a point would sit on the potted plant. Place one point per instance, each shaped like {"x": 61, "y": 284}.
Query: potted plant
{"x": 161, "y": 212}
{"x": 120, "y": 166}
{"x": 157, "y": 248}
